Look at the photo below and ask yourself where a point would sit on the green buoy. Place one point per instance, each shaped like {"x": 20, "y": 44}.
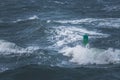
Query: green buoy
{"x": 85, "y": 39}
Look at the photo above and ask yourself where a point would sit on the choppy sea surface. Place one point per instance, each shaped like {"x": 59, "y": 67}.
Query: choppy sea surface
{"x": 42, "y": 40}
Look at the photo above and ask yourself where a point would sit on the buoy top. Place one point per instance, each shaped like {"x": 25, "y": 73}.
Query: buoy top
{"x": 85, "y": 39}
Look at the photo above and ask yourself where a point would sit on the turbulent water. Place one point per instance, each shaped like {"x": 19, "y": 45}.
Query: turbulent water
{"x": 42, "y": 39}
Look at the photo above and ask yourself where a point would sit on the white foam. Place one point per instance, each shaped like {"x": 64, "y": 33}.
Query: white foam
{"x": 58, "y": 2}
{"x": 25, "y": 19}
{"x": 2, "y": 69}
{"x": 8, "y": 48}
{"x": 64, "y": 35}
{"x": 98, "y": 22}
{"x": 84, "y": 56}
{"x": 88, "y": 20}
{"x": 33, "y": 17}
{"x": 110, "y": 23}
{"x": 48, "y": 21}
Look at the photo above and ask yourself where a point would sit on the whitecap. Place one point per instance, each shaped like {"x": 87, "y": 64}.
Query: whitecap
{"x": 96, "y": 22}
{"x": 79, "y": 21}
{"x": 10, "y": 48}
{"x": 85, "y": 56}
{"x": 25, "y": 19}
{"x": 33, "y": 17}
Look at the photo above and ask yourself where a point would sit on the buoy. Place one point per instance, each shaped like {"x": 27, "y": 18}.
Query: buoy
{"x": 85, "y": 39}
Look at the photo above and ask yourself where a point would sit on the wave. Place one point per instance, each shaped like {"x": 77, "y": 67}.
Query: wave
{"x": 7, "y": 48}
{"x": 39, "y": 72}
{"x": 88, "y": 20}
{"x": 85, "y": 56}
{"x": 34, "y": 17}
{"x": 63, "y": 37}
{"x": 96, "y": 22}
{"x": 12, "y": 56}
{"x": 110, "y": 8}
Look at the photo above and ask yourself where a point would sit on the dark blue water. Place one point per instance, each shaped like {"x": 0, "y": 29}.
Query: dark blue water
{"x": 42, "y": 40}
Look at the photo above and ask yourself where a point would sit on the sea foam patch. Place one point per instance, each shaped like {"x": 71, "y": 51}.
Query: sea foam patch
{"x": 85, "y": 56}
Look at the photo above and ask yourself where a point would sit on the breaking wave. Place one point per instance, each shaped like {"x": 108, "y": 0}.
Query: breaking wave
{"x": 85, "y": 56}
{"x": 65, "y": 36}
{"x": 7, "y": 48}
